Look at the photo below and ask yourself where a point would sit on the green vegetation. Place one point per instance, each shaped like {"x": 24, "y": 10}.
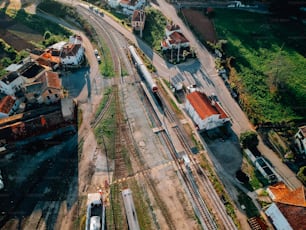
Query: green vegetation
{"x": 269, "y": 72}
{"x": 250, "y": 208}
{"x": 154, "y": 30}
{"x": 114, "y": 218}
{"x": 106, "y": 129}
{"x": 40, "y": 24}
{"x": 141, "y": 206}
{"x": 106, "y": 95}
{"x": 302, "y": 174}
{"x": 57, "y": 9}
{"x": 248, "y": 139}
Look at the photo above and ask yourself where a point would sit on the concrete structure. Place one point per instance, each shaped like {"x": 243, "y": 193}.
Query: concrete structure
{"x": 130, "y": 209}
{"x": 266, "y": 170}
{"x": 138, "y": 20}
{"x": 129, "y": 6}
{"x": 47, "y": 89}
{"x": 206, "y": 114}
{"x": 300, "y": 139}
{"x": 10, "y": 83}
{"x": 72, "y": 54}
{"x": 289, "y": 209}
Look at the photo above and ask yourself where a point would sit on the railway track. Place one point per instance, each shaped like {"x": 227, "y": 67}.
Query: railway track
{"x": 206, "y": 184}
{"x": 123, "y": 139}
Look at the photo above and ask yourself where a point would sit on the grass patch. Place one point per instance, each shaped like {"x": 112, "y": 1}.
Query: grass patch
{"x": 250, "y": 208}
{"x": 269, "y": 66}
{"x": 154, "y": 30}
{"x": 114, "y": 218}
{"x": 106, "y": 130}
{"x": 107, "y": 93}
{"x": 141, "y": 206}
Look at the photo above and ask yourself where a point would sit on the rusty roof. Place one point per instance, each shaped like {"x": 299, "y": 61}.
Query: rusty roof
{"x": 203, "y": 106}
{"x": 177, "y": 37}
{"x": 286, "y": 196}
{"x": 137, "y": 15}
{"x": 51, "y": 79}
{"x": 296, "y": 216}
{"x": 6, "y": 104}
{"x": 70, "y": 50}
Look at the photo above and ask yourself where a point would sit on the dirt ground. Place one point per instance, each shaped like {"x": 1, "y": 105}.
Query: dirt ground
{"x": 15, "y": 34}
{"x": 201, "y": 23}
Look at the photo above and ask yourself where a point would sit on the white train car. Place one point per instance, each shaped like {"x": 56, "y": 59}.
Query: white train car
{"x": 143, "y": 69}
{"x": 130, "y": 209}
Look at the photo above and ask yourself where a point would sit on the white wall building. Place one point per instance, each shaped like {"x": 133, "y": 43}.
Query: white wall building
{"x": 300, "y": 139}
{"x": 113, "y": 3}
{"x": 10, "y": 83}
{"x": 205, "y": 113}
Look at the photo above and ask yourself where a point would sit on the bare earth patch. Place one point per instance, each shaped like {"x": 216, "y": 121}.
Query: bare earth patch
{"x": 201, "y": 23}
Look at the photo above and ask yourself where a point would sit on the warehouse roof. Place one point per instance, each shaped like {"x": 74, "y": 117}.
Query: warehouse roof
{"x": 203, "y": 106}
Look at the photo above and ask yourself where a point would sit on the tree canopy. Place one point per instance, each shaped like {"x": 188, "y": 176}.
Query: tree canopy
{"x": 249, "y": 139}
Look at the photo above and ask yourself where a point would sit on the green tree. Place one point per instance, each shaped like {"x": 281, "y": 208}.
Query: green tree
{"x": 47, "y": 35}
{"x": 302, "y": 174}
{"x": 249, "y": 139}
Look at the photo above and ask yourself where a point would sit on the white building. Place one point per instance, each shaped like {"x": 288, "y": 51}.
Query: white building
{"x": 11, "y": 83}
{"x": 128, "y": 6}
{"x": 113, "y": 3}
{"x": 300, "y": 139}
{"x": 175, "y": 39}
{"x": 205, "y": 113}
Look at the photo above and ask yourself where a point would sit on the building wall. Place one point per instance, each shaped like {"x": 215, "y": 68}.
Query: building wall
{"x": 204, "y": 124}
{"x": 300, "y": 141}
{"x": 74, "y": 60}
{"x": 11, "y": 88}
{"x": 113, "y": 3}
{"x": 51, "y": 95}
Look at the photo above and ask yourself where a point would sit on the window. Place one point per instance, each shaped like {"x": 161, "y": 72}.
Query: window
{"x": 49, "y": 91}
{"x": 48, "y": 97}
{"x": 56, "y": 95}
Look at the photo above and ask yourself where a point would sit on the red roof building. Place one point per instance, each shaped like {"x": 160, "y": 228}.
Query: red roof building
{"x": 206, "y": 114}
{"x": 7, "y": 105}
{"x": 289, "y": 209}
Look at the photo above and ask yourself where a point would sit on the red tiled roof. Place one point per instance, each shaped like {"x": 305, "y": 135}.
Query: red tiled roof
{"x": 53, "y": 80}
{"x": 286, "y": 196}
{"x": 6, "y": 104}
{"x": 295, "y": 215}
{"x": 70, "y": 50}
{"x": 221, "y": 111}
{"x": 164, "y": 43}
{"x": 50, "y": 80}
{"x": 202, "y": 105}
{"x": 177, "y": 37}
